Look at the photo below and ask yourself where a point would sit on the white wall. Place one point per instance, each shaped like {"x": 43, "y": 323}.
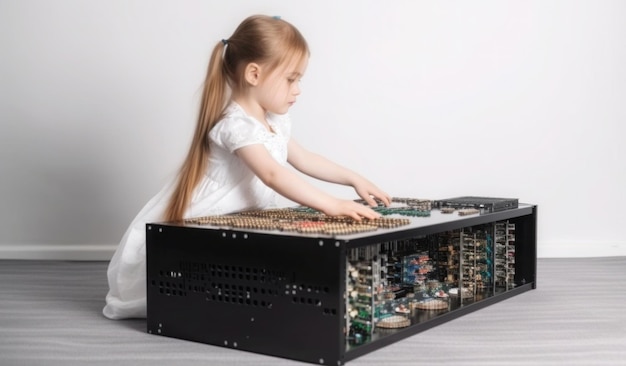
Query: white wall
{"x": 428, "y": 99}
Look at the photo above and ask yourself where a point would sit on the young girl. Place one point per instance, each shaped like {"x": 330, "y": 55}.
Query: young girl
{"x": 237, "y": 159}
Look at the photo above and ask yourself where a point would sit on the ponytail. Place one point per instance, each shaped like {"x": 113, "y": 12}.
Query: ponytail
{"x": 194, "y": 166}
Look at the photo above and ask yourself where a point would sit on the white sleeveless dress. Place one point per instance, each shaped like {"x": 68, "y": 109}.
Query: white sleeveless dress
{"x": 228, "y": 186}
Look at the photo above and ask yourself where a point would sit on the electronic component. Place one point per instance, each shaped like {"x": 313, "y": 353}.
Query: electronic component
{"x": 483, "y": 204}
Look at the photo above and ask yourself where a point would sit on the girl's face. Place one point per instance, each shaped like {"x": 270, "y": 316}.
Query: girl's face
{"x": 277, "y": 92}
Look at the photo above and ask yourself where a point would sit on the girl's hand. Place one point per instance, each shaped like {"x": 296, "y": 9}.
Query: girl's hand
{"x": 350, "y": 208}
{"x": 366, "y": 190}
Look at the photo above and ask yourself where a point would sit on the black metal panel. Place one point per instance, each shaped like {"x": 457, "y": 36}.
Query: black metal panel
{"x": 526, "y": 256}
{"x": 256, "y": 292}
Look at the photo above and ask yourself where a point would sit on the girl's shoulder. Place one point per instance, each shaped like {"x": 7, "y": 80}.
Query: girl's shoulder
{"x": 234, "y": 117}
{"x": 237, "y": 129}
{"x": 233, "y": 111}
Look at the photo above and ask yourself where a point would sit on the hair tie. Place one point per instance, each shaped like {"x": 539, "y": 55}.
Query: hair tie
{"x": 277, "y": 17}
{"x": 225, "y": 42}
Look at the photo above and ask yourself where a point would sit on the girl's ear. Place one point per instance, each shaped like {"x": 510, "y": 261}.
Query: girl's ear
{"x": 252, "y": 73}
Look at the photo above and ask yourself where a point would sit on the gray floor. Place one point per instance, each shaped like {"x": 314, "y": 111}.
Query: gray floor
{"x": 50, "y": 315}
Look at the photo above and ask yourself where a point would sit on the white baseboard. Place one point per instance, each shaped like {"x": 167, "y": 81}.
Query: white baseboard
{"x": 580, "y": 249}
{"x": 91, "y": 252}
{"x": 73, "y": 252}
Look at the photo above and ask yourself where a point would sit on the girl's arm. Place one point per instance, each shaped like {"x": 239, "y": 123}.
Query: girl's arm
{"x": 290, "y": 185}
{"x": 319, "y": 167}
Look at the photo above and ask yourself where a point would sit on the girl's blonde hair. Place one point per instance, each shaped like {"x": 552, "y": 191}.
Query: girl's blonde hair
{"x": 265, "y": 40}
